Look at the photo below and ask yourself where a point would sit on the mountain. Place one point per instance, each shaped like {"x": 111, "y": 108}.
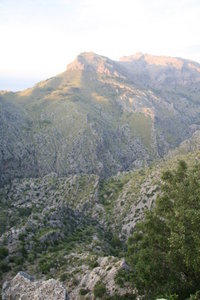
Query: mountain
{"x": 162, "y": 71}
{"x": 99, "y": 117}
{"x": 81, "y": 158}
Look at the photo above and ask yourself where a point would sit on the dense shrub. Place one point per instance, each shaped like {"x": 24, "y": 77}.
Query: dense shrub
{"x": 64, "y": 277}
{"x": 4, "y": 267}
{"x": 99, "y": 290}
{"x": 83, "y": 292}
{"x": 3, "y": 252}
{"x": 164, "y": 249}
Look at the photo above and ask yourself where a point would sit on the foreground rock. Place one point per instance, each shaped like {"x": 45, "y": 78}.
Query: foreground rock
{"x": 23, "y": 287}
{"x": 104, "y": 274}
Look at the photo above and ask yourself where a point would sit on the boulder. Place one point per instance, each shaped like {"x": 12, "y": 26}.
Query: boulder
{"x": 24, "y": 287}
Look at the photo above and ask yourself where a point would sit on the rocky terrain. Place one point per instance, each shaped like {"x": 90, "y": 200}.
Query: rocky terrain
{"x": 162, "y": 71}
{"x": 81, "y": 158}
{"x": 22, "y": 286}
{"x": 99, "y": 117}
{"x": 75, "y": 228}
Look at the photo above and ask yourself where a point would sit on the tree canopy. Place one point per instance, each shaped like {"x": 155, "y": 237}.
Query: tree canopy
{"x": 164, "y": 250}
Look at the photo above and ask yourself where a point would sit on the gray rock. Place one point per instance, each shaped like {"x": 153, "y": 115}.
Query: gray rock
{"x": 24, "y": 287}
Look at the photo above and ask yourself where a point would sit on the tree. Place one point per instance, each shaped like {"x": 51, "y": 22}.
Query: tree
{"x": 164, "y": 251}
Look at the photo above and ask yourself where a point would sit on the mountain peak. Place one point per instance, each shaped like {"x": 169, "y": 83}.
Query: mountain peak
{"x": 90, "y": 56}
{"x": 90, "y": 61}
{"x": 86, "y": 59}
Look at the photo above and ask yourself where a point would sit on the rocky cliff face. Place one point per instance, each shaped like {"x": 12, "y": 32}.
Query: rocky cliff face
{"x": 99, "y": 117}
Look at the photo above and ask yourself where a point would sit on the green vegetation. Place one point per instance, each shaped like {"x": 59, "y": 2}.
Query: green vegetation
{"x": 83, "y": 292}
{"x": 92, "y": 263}
{"x": 99, "y": 290}
{"x": 140, "y": 126}
{"x": 4, "y": 267}
{"x": 3, "y": 252}
{"x": 110, "y": 189}
{"x": 11, "y": 216}
{"x": 164, "y": 249}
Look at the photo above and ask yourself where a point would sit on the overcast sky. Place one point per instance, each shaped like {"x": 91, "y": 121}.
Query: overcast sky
{"x": 39, "y": 37}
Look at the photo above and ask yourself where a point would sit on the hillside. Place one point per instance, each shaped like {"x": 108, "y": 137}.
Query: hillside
{"x": 99, "y": 117}
{"x": 75, "y": 228}
{"x": 81, "y": 158}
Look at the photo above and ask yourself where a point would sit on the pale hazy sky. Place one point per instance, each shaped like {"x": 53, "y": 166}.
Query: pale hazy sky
{"x": 38, "y": 38}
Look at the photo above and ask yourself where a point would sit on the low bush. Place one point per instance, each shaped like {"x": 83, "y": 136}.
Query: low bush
{"x": 99, "y": 289}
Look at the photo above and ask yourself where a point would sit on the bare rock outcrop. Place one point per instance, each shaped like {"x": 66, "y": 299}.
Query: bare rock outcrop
{"x": 24, "y": 287}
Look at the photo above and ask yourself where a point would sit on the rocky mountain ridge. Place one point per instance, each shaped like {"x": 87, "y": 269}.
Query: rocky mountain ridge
{"x": 99, "y": 117}
{"x": 162, "y": 71}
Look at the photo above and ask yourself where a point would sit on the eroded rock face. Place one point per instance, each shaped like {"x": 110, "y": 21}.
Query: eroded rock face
{"x": 105, "y": 273}
{"x": 23, "y": 287}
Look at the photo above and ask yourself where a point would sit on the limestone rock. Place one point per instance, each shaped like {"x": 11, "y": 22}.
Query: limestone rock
{"x": 23, "y": 287}
{"x": 105, "y": 272}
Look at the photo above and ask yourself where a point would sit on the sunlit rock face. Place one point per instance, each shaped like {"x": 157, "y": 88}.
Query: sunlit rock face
{"x": 161, "y": 70}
